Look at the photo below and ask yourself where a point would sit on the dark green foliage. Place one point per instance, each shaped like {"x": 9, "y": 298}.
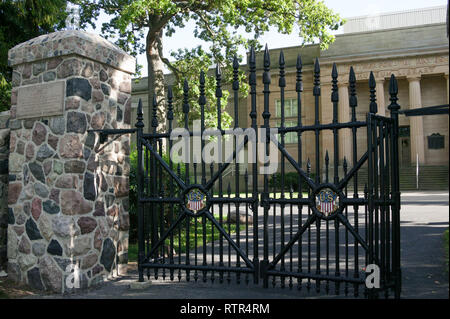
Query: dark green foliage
{"x": 290, "y": 179}
{"x": 21, "y": 21}
{"x": 133, "y": 188}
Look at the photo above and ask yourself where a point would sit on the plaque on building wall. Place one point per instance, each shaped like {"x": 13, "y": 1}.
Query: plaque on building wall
{"x": 40, "y": 100}
{"x": 435, "y": 141}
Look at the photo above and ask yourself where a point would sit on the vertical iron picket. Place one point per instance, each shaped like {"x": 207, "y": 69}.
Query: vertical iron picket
{"x": 265, "y": 195}
{"x": 299, "y": 90}
{"x": 335, "y": 101}
{"x": 255, "y": 203}
{"x": 282, "y": 85}
{"x": 164, "y": 217}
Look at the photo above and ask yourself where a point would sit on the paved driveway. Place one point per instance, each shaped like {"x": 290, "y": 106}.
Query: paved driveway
{"x": 424, "y": 217}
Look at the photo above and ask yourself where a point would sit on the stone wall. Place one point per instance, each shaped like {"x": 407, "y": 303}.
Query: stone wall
{"x": 68, "y": 194}
{"x": 4, "y": 154}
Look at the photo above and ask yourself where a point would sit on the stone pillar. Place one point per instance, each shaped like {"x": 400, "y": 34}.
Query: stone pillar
{"x": 380, "y": 97}
{"x": 345, "y": 141}
{"x": 446, "y": 78}
{"x": 326, "y": 136}
{"x": 416, "y": 122}
{"x": 448, "y": 123}
{"x": 4, "y": 154}
{"x": 68, "y": 194}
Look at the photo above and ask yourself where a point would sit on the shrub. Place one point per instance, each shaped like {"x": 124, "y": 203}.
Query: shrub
{"x": 290, "y": 180}
{"x": 133, "y": 188}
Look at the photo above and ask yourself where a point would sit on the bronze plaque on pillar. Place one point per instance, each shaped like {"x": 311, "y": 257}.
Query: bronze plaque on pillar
{"x": 40, "y": 100}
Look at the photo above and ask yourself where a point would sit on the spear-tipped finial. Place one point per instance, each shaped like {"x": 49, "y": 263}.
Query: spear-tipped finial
{"x": 373, "y": 108}
{"x": 372, "y": 83}
{"x": 252, "y": 57}
{"x": 334, "y": 72}
{"x": 299, "y": 63}
{"x": 393, "y": 91}
{"x": 299, "y": 82}
{"x": 282, "y": 79}
{"x": 266, "y": 57}
{"x": 202, "y": 77}
{"x": 334, "y": 87}
{"x": 344, "y": 165}
{"x": 252, "y": 66}
{"x": 316, "y": 89}
{"x": 170, "y": 103}
{"x": 235, "y": 62}
{"x": 202, "y": 99}
{"x": 218, "y": 81}
{"x": 266, "y": 74}
{"x": 140, "y": 115}
{"x": 316, "y": 66}
{"x": 308, "y": 166}
{"x": 154, "y": 118}
{"x": 327, "y": 158}
{"x": 352, "y": 77}
{"x": 185, "y": 97}
{"x": 235, "y": 73}
{"x": 353, "y": 102}
{"x": 393, "y": 87}
{"x": 281, "y": 59}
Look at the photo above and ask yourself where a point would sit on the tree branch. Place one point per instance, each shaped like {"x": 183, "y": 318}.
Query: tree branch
{"x": 206, "y": 22}
{"x": 166, "y": 61}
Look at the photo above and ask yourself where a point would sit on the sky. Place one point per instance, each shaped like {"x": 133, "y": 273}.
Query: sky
{"x": 183, "y": 38}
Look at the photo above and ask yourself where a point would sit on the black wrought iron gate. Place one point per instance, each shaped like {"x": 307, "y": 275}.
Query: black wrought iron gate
{"x": 317, "y": 230}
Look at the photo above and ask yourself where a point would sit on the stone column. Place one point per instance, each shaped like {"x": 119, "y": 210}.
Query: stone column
{"x": 326, "y": 136}
{"x": 4, "y": 154}
{"x": 416, "y": 122}
{"x": 380, "y": 97}
{"x": 68, "y": 194}
{"x": 448, "y": 123}
{"x": 345, "y": 142}
{"x": 446, "y": 78}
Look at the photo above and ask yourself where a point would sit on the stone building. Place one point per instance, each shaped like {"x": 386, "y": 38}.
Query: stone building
{"x": 412, "y": 45}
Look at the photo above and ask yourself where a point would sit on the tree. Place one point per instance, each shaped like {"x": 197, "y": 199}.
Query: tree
{"x": 20, "y": 21}
{"x": 219, "y": 23}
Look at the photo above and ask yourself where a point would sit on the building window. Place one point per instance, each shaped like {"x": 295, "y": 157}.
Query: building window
{"x": 290, "y": 137}
{"x": 290, "y": 107}
{"x": 435, "y": 141}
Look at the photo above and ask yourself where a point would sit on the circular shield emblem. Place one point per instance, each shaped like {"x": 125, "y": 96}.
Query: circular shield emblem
{"x": 327, "y": 201}
{"x": 195, "y": 200}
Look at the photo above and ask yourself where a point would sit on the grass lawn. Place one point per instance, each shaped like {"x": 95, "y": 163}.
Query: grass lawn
{"x": 133, "y": 248}
{"x": 446, "y": 247}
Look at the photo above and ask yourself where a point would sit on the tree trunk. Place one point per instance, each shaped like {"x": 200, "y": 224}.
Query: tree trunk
{"x": 156, "y": 79}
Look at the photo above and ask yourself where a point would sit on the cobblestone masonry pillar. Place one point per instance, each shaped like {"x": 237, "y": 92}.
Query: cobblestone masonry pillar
{"x": 4, "y": 154}
{"x": 68, "y": 194}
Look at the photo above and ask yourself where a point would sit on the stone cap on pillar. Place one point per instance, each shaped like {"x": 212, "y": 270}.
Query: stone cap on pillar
{"x": 68, "y": 42}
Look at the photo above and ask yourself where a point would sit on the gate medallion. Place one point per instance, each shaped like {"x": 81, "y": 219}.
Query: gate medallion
{"x": 195, "y": 200}
{"x": 327, "y": 202}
